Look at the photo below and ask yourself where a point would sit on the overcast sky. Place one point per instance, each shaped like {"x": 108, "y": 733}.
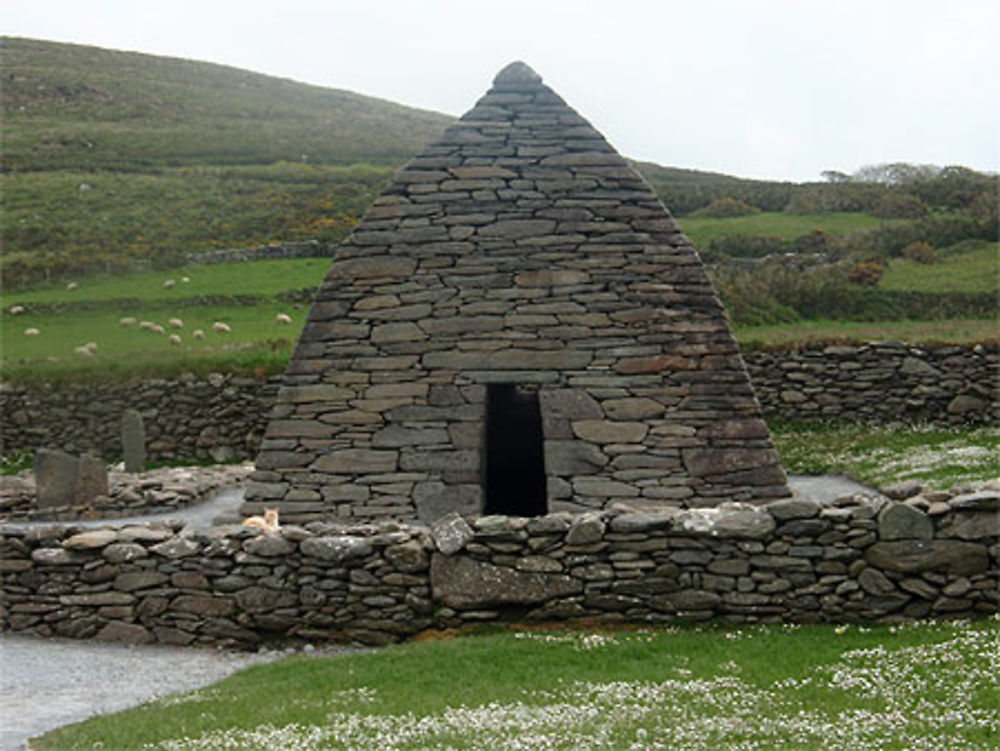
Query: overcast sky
{"x": 779, "y": 89}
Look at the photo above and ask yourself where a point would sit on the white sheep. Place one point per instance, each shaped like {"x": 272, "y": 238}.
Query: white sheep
{"x": 198, "y": 334}
{"x": 146, "y": 325}
{"x": 175, "y": 340}
{"x": 92, "y": 346}
{"x": 32, "y": 332}
{"x": 185, "y": 280}
{"x": 72, "y": 286}
{"x": 83, "y": 351}
{"x": 129, "y": 321}
{"x": 16, "y": 310}
{"x": 175, "y": 323}
{"x": 221, "y": 328}
{"x": 158, "y": 329}
{"x": 169, "y": 283}
{"x": 283, "y": 318}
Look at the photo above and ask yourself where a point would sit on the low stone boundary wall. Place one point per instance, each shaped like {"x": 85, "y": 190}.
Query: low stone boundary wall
{"x": 223, "y": 418}
{"x": 879, "y": 382}
{"x": 304, "y": 249}
{"x": 187, "y": 419}
{"x": 934, "y": 556}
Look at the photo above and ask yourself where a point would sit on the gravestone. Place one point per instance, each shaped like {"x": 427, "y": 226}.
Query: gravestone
{"x": 133, "y": 441}
{"x": 62, "y": 479}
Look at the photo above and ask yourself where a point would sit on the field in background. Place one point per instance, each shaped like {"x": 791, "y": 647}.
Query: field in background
{"x": 702, "y": 230}
{"x": 971, "y": 266}
{"x": 697, "y": 688}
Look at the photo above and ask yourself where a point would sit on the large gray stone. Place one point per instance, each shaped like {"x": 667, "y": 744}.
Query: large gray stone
{"x": 793, "y": 508}
{"x": 460, "y": 582}
{"x": 585, "y": 529}
{"x": 729, "y": 520}
{"x": 899, "y": 521}
{"x": 451, "y": 533}
{"x": 917, "y": 556}
{"x": 336, "y": 549}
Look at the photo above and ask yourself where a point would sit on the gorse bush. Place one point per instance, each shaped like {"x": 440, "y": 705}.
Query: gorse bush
{"x": 866, "y": 273}
{"x": 921, "y": 252}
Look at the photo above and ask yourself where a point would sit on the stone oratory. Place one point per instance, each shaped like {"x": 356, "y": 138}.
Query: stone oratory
{"x": 517, "y": 326}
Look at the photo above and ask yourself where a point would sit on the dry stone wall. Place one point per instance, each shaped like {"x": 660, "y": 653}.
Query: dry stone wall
{"x": 223, "y": 417}
{"x": 186, "y": 419}
{"x": 857, "y": 560}
{"x": 879, "y": 382}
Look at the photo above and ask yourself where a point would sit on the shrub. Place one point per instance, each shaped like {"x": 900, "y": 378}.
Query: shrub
{"x": 726, "y": 207}
{"x": 921, "y": 252}
{"x": 866, "y": 273}
{"x": 895, "y": 205}
{"x": 814, "y": 241}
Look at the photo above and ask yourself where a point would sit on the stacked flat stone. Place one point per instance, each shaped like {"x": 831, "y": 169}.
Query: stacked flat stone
{"x": 519, "y": 248}
{"x": 795, "y": 561}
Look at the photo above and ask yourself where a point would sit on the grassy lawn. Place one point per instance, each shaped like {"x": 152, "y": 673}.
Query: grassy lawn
{"x": 884, "y": 454}
{"x": 969, "y": 267}
{"x": 952, "y": 331}
{"x": 702, "y": 230}
{"x": 928, "y": 686}
{"x": 257, "y": 278}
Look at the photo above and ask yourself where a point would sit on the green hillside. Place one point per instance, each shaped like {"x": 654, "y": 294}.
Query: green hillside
{"x": 73, "y": 107}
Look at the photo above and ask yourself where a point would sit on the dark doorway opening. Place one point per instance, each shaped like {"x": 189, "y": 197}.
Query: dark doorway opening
{"x": 515, "y": 459}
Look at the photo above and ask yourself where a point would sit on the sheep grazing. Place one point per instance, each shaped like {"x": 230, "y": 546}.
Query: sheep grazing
{"x": 169, "y": 283}
{"x": 129, "y": 321}
{"x": 32, "y": 332}
{"x": 16, "y": 310}
{"x": 146, "y": 325}
{"x": 158, "y": 329}
{"x": 83, "y": 351}
{"x": 283, "y": 318}
{"x": 92, "y": 346}
{"x": 175, "y": 340}
{"x": 175, "y": 323}
{"x": 221, "y": 328}
{"x": 185, "y": 280}
{"x": 198, "y": 334}
{"x": 72, "y": 286}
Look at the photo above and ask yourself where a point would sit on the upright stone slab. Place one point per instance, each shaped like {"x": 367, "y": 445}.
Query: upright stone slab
{"x": 133, "y": 441}
{"x": 519, "y": 250}
{"x": 55, "y": 478}
{"x": 63, "y": 480}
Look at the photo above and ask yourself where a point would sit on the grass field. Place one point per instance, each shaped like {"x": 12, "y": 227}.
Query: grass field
{"x": 257, "y": 278}
{"x": 923, "y": 686}
{"x": 703, "y": 230}
{"x": 972, "y": 266}
{"x": 950, "y": 331}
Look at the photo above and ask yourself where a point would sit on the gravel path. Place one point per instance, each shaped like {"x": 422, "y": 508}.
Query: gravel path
{"x": 46, "y": 683}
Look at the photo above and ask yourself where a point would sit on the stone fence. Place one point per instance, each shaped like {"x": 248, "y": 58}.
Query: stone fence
{"x": 857, "y": 560}
{"x": 222, "y": 418}
{"x": 879, "y": 382}
{"x": 218, "y": 418}
{"x": 304, "y": 249}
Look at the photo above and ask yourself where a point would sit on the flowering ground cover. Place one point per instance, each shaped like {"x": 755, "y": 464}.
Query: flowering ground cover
{"x": 933, "y": 455}
{"x": 919, "y": 686}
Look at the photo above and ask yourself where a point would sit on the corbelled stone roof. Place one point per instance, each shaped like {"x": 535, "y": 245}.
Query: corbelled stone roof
{"x": 521, "y": 248}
